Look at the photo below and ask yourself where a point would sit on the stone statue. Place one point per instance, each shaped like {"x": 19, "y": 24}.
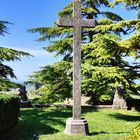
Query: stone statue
{"x": 23, "y": 94}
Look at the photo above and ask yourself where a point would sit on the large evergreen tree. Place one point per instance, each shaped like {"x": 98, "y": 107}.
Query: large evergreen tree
{"x": 7, "y": 54}
{"x": 103, "y": 52}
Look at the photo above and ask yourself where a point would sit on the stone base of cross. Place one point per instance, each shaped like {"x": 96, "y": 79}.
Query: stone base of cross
{"x": 76, "y": 125}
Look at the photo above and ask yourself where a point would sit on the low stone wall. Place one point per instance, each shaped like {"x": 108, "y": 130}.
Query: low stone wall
{"x": 84, "y": 100}
{"x": 70, "y": 106}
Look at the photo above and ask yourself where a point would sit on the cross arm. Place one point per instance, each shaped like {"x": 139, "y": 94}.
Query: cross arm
{"x": 64, "y": 22}
{"x": 88, "y": 23}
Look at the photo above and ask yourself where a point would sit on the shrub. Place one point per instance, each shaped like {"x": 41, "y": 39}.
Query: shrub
{"x": 101, "y": 99}
{"x": 42, "y": 100}
{"x": 106, "y": 100}
{"x": 135, "y": 134}
{"x": 9, "y": 112}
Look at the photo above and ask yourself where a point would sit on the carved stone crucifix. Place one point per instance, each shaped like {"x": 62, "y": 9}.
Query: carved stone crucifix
{"x": 76, "y": 22}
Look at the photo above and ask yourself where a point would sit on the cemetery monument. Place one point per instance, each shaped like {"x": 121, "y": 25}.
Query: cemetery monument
{"x": 76, "y": 125}
{"x": 119, "y": 100}
{"x": 23, "y": 94}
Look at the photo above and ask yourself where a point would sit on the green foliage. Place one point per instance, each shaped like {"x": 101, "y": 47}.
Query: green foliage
{"x": 103, "y": 67}
{"x": 42, "y": 100}
{"x": 58, "y": 47}
{"x": 7, "y": 54}
{"x": 135, "y": 134}
{"x": 58, "y": 85}
{"x": 9, "y": 110}
{"x": 105, "y": 98}
{"x": 132, "y": 45}
{"x": 3, "y": 27}
{"x": 120, "y": 26}
{"x": 5, "y": 84}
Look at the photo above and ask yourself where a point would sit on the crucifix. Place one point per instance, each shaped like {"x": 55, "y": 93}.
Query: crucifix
{"x": 76, "y": 125}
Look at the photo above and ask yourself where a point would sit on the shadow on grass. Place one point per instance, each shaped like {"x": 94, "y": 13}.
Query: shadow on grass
{"x": 103, "y": 132}
{"x": 86, "y": 109}
{"x": 35, "y": 122}
{"x": 50, "y": 113}
{"x": 125, "y": 117}
{"x": 38, "y": 121}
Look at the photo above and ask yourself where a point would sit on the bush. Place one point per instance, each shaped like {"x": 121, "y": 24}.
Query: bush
{"x": 40, "y": 100}
{"x": 101, "y": 99}
{"x": 9, "y": 112}
{"x": 135, "y": 134}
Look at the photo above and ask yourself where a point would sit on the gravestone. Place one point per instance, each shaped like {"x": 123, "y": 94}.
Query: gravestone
{"x": 119, "y": 100}
{"x": 76, "y": 125}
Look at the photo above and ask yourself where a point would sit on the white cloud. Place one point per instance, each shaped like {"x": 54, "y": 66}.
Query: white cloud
{"x": 35, "y": 52}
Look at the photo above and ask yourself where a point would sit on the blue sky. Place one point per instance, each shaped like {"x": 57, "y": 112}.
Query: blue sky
{"x": 27, "y": 14}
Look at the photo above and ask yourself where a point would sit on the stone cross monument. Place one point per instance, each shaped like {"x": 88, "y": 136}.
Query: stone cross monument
{"x": 76, "y": 125}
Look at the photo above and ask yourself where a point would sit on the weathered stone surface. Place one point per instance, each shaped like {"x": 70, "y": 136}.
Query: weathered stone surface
{"x": 88, "y": 23}
{"x": 76, "y": 127}
{"x": 76, "y": 22}
{"x": 119, "y": 101}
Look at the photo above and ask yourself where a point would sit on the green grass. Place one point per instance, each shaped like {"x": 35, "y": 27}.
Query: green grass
{"x": 49, "y": 124}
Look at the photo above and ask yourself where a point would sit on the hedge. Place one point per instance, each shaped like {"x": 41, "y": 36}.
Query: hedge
{"x": 9, "y": 112}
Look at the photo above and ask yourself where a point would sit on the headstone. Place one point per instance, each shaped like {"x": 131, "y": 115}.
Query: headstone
{"x": 119, "y": 100}
{"x": 76, "y": 125}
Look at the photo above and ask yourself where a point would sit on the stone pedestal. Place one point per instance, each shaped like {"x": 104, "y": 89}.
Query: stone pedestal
{"x": 79, "y": 127}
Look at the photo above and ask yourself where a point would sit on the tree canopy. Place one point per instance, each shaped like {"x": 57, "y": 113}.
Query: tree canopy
{"x": 104, "y": 53}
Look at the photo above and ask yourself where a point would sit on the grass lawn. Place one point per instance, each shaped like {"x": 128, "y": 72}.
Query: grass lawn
{"x": 49, "y": 124}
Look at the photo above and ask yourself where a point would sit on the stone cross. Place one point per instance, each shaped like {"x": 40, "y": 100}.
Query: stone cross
{"x": 76, "y": 22}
